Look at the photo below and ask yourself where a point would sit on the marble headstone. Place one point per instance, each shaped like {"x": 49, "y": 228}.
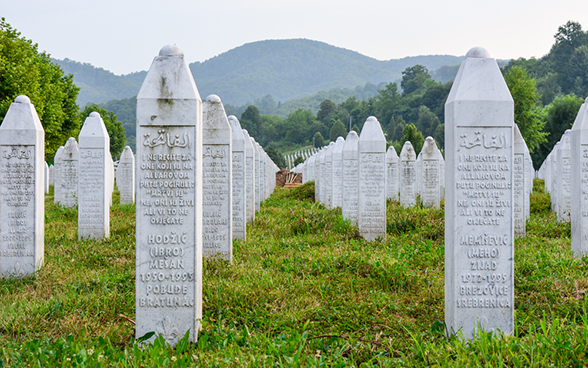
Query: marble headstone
{"x": 372, "y": 181}
{"x": 479, "y": 239}
{"x": 430, "y": 174}
{"x": 351, "y": 178}
{"x": 338, "y": 172}
{"x": 69, "y": 173}
{"x": 564, "y": 179}
{"x": 408, "y": 183}
{"x": 239, "y": 183}
{"x": 57, "y": 176}
{"x": 125, "y": 176}
{"x": 579, "y": 156}
{"x": 46, "y": 178}
{"x": 249, "y": 178}
{"x": 93, "y": 186}
{"x": 392, "y": 174}
{"x": 22, "y": 200}
{"x": 518, "y": 168}
{"x": 169, "y": 200}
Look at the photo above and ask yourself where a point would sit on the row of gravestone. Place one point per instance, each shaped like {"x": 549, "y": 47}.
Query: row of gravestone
{"x": 200, "y": 179}
{"x": 565, "y": 172}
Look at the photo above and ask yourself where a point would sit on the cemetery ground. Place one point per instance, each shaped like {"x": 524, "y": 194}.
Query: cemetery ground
{"x": 303, "y": 290}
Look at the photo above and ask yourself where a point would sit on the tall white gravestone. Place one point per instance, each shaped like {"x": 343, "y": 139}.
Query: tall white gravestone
{"x": 256, "y": 175}
{"x": 93, "y": 186}
{"x": 217, "y": 190}
{"x": 249, "y": 178}
{"x": 22, "y": 199}
{"x": 46, "y": 178}
{"x": 125, "y": 176}
{"x": 239, "y": 183}
{"x": 430, "y": 193}
{"x": 392, "y": 174}
{"x": 579, "y": 156}
{"x": 518, "y": 168}
{"x": 338, "y": 172}
{"x": 479, "y": 241}
{"x": 328, "y": 175}
{"x": 408, "y": 181}
{"x": 57, "y": 176}
{"x": 70, "y": 157}
{"x": 351, "y": 178}
{"x": 564, "y": 179}
{"x": 169, "y": 200}
{"x": 372, "y": 181}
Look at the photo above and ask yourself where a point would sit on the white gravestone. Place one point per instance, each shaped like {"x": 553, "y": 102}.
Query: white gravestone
{"x": 57, "y": 164}
{"x": 441, "y": 177}
{"x": 52, "y": 174}
{"x": 69, "y": 173}
{"x": 564, "y": 179}
{"x": 518, "y": 168}
{"x": 46, "y": 178}
{"x": 392, "y": 174}
{"x": 408, "y": 184}
{"x": 529, "y": 175}
{"x": 125, "y": 176}
{"x": 22, "y": 201}
{"x": 555, "y": 173}
{"x": 169, "y": 200}
{"x": 579, "y": 156}
{"x": 318, "y": 174}
{"x": 328, "y": 173}
{"x": 479, "y": 241}
{"x": 351, "y": 178}
{"x": 256, "y": 178}
{"x": 372, "y": 181}
{"x": 217, "y": 185}
{"x": 249, "y": 178}
{"x": 93, "y": 191}
{"x": 338, "y": 173}
{"x": 430, "y": 174}
{"x": 419, "y": 173}
{"x": 239, "y": 184}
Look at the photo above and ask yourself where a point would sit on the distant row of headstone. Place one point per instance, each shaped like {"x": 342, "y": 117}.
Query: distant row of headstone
{"x": 565, "y": 172}
{"x": 200, "y": 180}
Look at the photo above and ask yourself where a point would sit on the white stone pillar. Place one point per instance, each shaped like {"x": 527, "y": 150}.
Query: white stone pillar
{"x": 58, "y": 176}
{"x": 169, "y": 200}
{"x": 579, "y": 156}
{"x": 338, "y": 172}
{"x": 372, "y": 181}
{"x": 93, "y": 186}
{"x": 430, "y": 174}
{"x": 408, "y": 184}
{"x": 239, "y": 183}
{"x": 69, "y": 168}
{"x": 518, "y": 169}
{"x": 479, "y": 119}
{"x": 564, "y": 179}
{"x": 249, "y": 177}
{"x": 22, "y": 199}
{"x": 392, "y": 174}
{"x": 125, "y": 176}
{"x": 351, "y": 178}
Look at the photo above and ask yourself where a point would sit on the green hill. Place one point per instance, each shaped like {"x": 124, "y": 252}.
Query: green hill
{"x": 284, "y": 69}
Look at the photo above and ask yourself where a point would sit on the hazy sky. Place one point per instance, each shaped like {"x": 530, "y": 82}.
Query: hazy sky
{"x": 123, "y": 36}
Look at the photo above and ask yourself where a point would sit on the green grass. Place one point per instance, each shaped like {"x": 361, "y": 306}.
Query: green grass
{"x": 304, "y": 290}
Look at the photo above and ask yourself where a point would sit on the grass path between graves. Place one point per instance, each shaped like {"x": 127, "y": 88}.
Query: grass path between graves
{"x": 303, "y": 290}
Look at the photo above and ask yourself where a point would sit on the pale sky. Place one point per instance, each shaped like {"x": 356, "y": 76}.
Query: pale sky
{"x": 123, "y": 36}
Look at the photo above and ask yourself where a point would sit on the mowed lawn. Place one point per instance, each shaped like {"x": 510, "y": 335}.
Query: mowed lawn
{"x": 303, "y": 290}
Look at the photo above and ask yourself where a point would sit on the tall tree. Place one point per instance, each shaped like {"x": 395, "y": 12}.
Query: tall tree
{"x": 326, "y": 110}
{"x": 251, "y": 121}
{"x": 413, "y": 78}
{"x": 338, "y": 130}
{"x": 275, "y": 156}
{"x": 526, "y": 110}
{"x": 318, "y": 140}
{"x": 26, "y": 71}
{"x": 415, "y": 137}
{"x": 114, "y": 127}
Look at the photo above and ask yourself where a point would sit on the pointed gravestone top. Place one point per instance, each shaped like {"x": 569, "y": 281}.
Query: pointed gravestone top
{"x": 93, "y": 133}
{"x": 238, "y": 136}
{"x": 171, "y": 50}
{"x": 21, "y": 116}
{"x": 478, "y": 53}
{"x": 391, "y": 153}
{"x": 127, "y": 155}
{"x": 407, "y": 153}
{"x": 372, "y": 131}
{"x": 71, "y": 147}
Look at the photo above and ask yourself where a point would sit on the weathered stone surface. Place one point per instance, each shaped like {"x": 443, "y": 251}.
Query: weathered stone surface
{"x": 408, "y": 184}
{"x": 392, "y": 164}
{"x": 579, "y": 187}
{"x": 46, "y": 175}
{"x": 169, "y": 200}
{"x": 125, "y": 176}
{"x": 322, "y": 180}
{"x": 518, "y": 169}
{"x": 257, "y": 175}
{"x": 93, "y": 186}
{"x": 69, "y": 173}
{"x": 22, "y": 203}
{"x": 328, "y": 175}
{"x": 555, "y": 173}
{"x": 58, "y": 176}
{"x": 351, "y": 178}
{"x": 372, "y": 181}
{"x": 217, "y": 191}
{"x": 430, "y": 174}
{"x": 479, "y": 239}
{"x": 338, "y": 172}
{"x": 249, "y": 177}
{"x": 239, "y": 183}
{"x": 564, "y": 179}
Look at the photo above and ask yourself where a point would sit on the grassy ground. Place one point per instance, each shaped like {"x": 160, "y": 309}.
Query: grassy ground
{"x": 303, "y": 290}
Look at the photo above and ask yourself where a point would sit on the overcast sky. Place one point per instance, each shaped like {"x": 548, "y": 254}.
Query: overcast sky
{"x": 123, "y": 36}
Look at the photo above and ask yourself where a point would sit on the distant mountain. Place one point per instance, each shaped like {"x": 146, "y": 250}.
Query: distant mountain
{"x": 285, "y": 69}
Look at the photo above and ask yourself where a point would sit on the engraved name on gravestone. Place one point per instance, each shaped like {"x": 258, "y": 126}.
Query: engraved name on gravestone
{"x": 338, "y": 172}
{"x": 125, "y": 176}
{"x": 408, "y": 175}
{"x": 479, "y": 241}
{"x": 69, "y": 173}
{"x": 22, "y": 205}
{"x": 579, "y": 156}
{"x": 555, "y": 172}
{"x": 57, "y": 173}
{"x": 564, "y": 179}
{"x": 93, "y": 191}
{"x": 518, "y": 168}
{"x": 350, "y": 177}
{"x": 217, "y": 205}
{"x": 328, "y": 173}
{"x": 239, "y": 184}
{"x": 169, "y": 200}
{"x": 249, "y": 178}
{"x": 392, "y": 174}
{"x": 430, "y": 174}
{"x": 257, "y": 178}
{"x": 372, "y": 181}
